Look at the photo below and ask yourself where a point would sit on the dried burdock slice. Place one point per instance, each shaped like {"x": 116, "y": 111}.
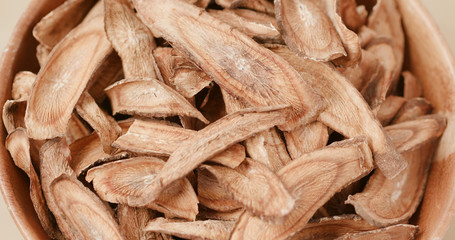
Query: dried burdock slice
{"x": 22, "y": 85}
{"x": 132, "y": 40}
{"x": 256, "y": 5}
{"x": 76, "y": 129}
{"x": 58, "y": 23}
{"x": 13, "y": 114}
{"x": 212, "y": 194}
{"x": 396, "y": 232}
{"x": 268, "y": 148}
{"x": 42, "y": 54}
{"x": 410, "y": 135}
{"x": 296, "y": 18}
{"x": 104, "y": 125}
{"x": 214, "y": 139}
{"x": 132, "y": 222}
{"x": 200, "y": 3}
{"x": 312, "y": 179}
{"x": 366, "y": 35}
{"x": 162, "y": 139}
{"x": 18, "y": 146}
{"x": 204, "y": 230}
{"x": 205, "y": 214}
{"x": 306, "y": 139}
{"x": 363, "y": 73}
{"x": 389, "y": 109}
{"x": 353, "y": 16}
{"x": 346, "y": 111}
{"x": 412, "y": 109}
{"x": 259, "y": 26}
{"x": 61, "y": 81}
{"x": 128, "y": 182}
{"x": 149, "y": 98}
{"x": 255, "y": 187}
{"x": 332, "y": 227}
{"x": 412, "y": 86}
{"x": 236, "y": 63}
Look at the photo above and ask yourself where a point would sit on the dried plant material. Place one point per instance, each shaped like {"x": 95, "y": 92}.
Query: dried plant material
{"x": 412, "y": 109}
{"x": 42, "y": 54}
{"x": 396, "y": 232}
{"x": 212, "y": 140}
{"x": 306, "y": 139}
{"x": 13, "y": 114}
{"x": 259, "y": 26}
{"x": 128, "y": 182}
{"x": 366, "y": 35}
{"x": 58, "y": 23}
{"x": 132, "y": 222}
{"x": 389, "y": 109}
{"x": 132, "y": 40}
{"x": 353, "y": 16}
{"x": 412, "y": 86}
{"x": 18, "y": 146}
{"x": 162, "y": 139}
{"x": 297, "y": 18}
{"x": 64, "y": 77}
{"x": 104, "y": 125}
{"x": 149, "y": 98}
{"x": 212, "y": 195}
{"x": 256, "y": 188}
{"x": 410, "y": 135}
{"x": 236, "y": 63}
{"x": 76, "y": 129}
{"x": 200, "y": 3}
{"x": 312, "y": 179}
{"x": 360, "y": 75}
{"x": 346, "y": 111}
{"x": 332, "y": 228}
{"x": 268, "y": 148}
{"x": 204, "y": 230}
{"x": 22, "y": 85}
{"x": 256, "y": 5}
{"x": 205, "y": 214}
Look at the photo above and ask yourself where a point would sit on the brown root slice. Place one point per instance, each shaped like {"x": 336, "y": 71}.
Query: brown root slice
{"x": 306, "y": 139}
{"x": 256, "y": 5}
{"x": 259, "y": 26}
{"x": 236, "y": 63}
{"x": 353, "y": 16}
{"x": 18, "y": 146}
{"x": 128, "y": 182}
{"x": 396, "y": 232}
{"x": 214, "y": 139}
{"x": 367, "y": 70}
{"x": 390, "y": 201}
{"x": 346, "y": 111}
{"x": 200, "y": 3}
{"x": 389, "y": 108}
{"x": 22, "y": 85}
{"x": 413, "y": 109}
{"x": 13, "y": 114}
{"x": 366, "y": 35}
{"x": 212, "y": 194}
{"x": 42, "y": 54}
{"x": 61, "y": 81}
{"x": 205, "y": 214}
{"x": 412, "y": 86}
{"x": 332, "y": 227}
{"x": 256, "y": 187}
{"x": 76, "y": 129}
{"x": 161, "y": 139}
{"x": 104, "y": 125}
{"x": 149, "y": 98}
{"x": 205, "y": 230}
{"x": 312, "y": 180}
{"x": 58, "y": 23}
{"x": 132, "y": 40}
{"x": 132, "y": 222}
{"x": 296, "y": 18}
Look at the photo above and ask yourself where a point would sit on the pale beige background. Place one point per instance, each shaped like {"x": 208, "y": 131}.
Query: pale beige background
{"x": 10, "y": 10}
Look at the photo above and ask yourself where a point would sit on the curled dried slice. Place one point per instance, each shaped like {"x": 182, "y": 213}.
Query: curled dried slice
{"x": 353, "y": 16}
{"x": 128, "y": 182}
{"x": 412, "y": 109}
{"x": 296, "y": 18}
{"x": 312, "y": 179}
{"x": 412, "y": 86}
{"x": 212, "y": 140}
{"x": 63, "y": 79}
{"x": 205, "y": 230}
{"x": 162, "y": 139}
{"x": 259, "y": 26}
{"x": 205, "y": 213}
{"x": 306, "y": 139}
{"x": 366, "y": 35}
{"x": 200, "y": 3}
{"x": 255, "y": 187}
{"x": 212, "y": 195}
{"x": 389, "y": 109}
{"x": 132, "y": 40}
{"x": 149, "y": 98}
{"x": 396, "y": 232}
{"x": 104, "y": 125}
{"x": 22, "y": 85}
{"x": 257, "y": 5}
{"x": 132, "y": 222}
{"x": 58, "y": 23}
{"x": 18, "y": 146}
{"x": 76, "y": 129}
{"x": 42, "y": 54}
{"x": 346, "y": 111}
{"x": 363, "y": 73}
{"x": 236, "y": 63}
{"x": 13, "y": 114}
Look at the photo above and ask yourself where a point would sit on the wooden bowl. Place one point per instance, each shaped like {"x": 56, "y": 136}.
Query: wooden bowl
{"x": 428, "y": 56}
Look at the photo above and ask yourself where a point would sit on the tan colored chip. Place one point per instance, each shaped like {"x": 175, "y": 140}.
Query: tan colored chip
{"x": 389, "y": 109}
{"x": 13, "y": 114}
{"x": 22, "y": 85}
{"x": 412, "y": 109}
{"x": 412, "y": 86}
{"x": 353, "y": 16}
{"x": 132, "y": 222}
{"x": 257, "y": 5}
{"x": 76, "y": 129}
{"x": 396, "y": 232}
{"x": 306, "y": 139}
{"x": 42, "y": 54}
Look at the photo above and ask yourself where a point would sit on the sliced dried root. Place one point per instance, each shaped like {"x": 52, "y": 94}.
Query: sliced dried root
{"x": 396, "y": 232}
{"x": 306, "y": 139}
{"x": 412, "y": 86}
{"x": 22, "y": 85}
{"x": 13, "y": 114}
{"x": 76, "y": 129}
{"x": 412, "y": 109}
{"x": 389, "y": 109}
{"x": 132, "y": 222}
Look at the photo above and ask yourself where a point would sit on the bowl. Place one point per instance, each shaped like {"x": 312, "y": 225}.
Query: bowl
{"x": 427, "y": 56}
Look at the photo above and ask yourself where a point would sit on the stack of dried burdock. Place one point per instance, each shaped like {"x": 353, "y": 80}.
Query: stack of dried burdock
{"x": 241, "y": 119}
